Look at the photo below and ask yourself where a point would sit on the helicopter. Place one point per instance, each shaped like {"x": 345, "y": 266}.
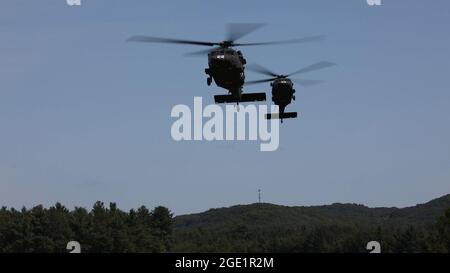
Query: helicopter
{"x": 226, "y": 66}
{"x": 283, "y": 87}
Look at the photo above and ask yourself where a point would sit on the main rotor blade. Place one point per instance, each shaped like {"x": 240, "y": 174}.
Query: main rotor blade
{"x": 150, "y": 39}
{"x": 261, "y": 69}
{"x": 313, "y": 67}
{"x": 259, "y": 81}
{"x": 309, "y": 39}
{"x": 236, "y": 31}
{"x": 307, "y": 83}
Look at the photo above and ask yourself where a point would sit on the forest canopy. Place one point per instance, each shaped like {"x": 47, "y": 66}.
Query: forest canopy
{"x": 243, "y": 228}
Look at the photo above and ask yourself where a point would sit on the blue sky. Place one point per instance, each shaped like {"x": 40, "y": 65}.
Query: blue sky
{"x": 85, "y": 116}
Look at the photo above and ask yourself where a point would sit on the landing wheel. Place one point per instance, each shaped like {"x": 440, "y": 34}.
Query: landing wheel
{"x": 209, "y": 81}
{"x": 293, "y": 97}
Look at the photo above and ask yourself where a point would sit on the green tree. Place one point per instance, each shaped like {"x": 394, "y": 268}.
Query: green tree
{"x": 443, "y": 230}
{"x": 162, "y": 222}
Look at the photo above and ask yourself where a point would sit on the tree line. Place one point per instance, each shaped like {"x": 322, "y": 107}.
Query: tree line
{"x": 109, "y": 229}
{"x": 103, "y": 229}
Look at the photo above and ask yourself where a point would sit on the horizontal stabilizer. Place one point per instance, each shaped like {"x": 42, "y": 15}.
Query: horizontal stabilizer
{"x": 285, "y": 115}
{"x": 246, "y": 97}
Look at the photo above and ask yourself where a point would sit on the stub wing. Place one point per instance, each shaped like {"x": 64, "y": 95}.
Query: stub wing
{"x": 283, "y": 116}
{"x": 246, "y": 97}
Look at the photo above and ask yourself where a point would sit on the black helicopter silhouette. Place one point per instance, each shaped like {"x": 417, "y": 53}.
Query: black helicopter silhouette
{"x": 283, "y": 87}
{"x": 226, "y": 66}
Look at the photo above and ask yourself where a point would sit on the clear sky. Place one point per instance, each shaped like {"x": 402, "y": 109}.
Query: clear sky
{"x": 85, "y": 116}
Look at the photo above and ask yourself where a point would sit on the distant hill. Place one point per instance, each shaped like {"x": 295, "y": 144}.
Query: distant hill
{"x": 228, "y": 229}
{"x": 275, "y": 215}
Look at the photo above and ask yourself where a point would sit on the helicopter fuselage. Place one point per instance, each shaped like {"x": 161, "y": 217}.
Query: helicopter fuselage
{"x": 282, "y": 92}
{"x": 226, "y": 66}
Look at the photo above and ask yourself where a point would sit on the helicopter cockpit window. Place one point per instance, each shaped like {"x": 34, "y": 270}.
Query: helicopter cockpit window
{"x": 220, "y": 55}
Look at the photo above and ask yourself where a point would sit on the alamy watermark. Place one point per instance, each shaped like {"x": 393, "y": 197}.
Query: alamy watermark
{"x": 369, "y": 2}
{"x": 374, "y": 2}
{"x": 74, "y": 247}
{"x": 73, "y": 2}
{"x": 240, "y": 123}
{"x": 373, "y": 247}
{"x": 78, "y": 2}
